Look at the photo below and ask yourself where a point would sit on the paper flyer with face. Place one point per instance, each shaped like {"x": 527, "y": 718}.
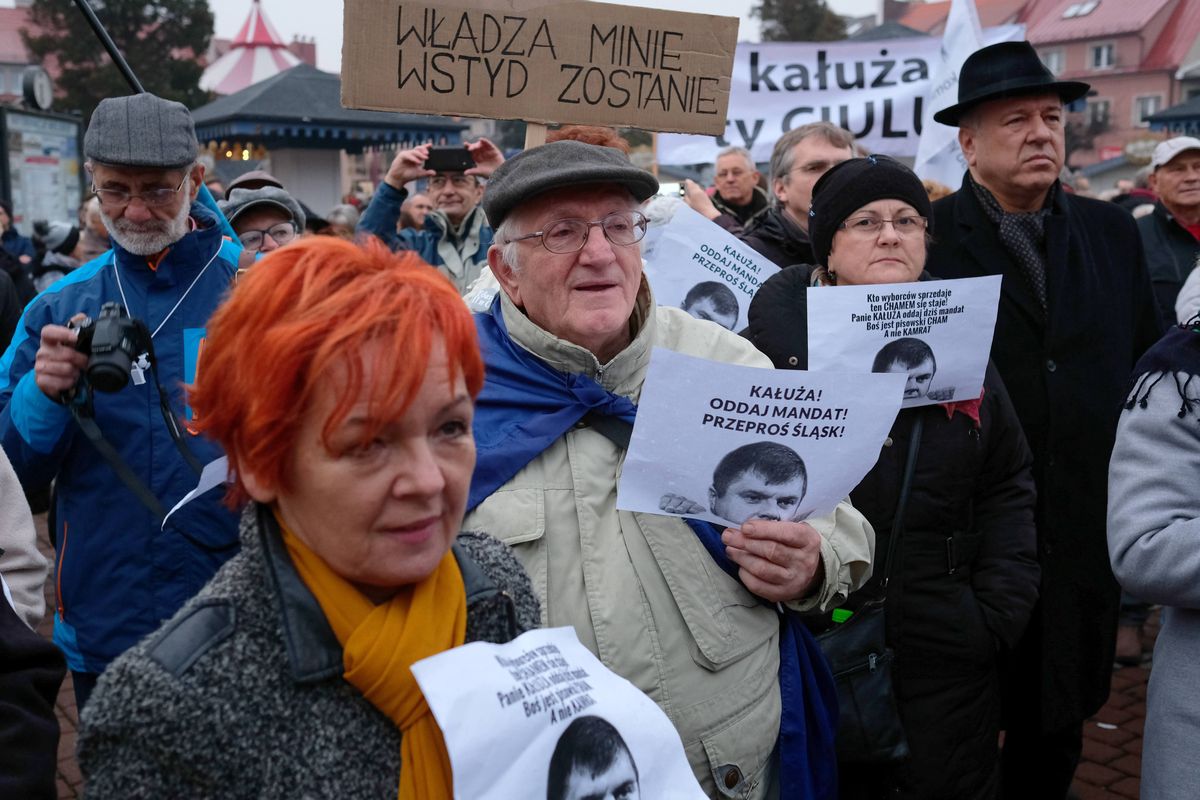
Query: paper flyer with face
{"x": 938, "y": 333}
{"x": 727, "y": 443}
{"x": 541, "y": 717}
{"x": 694, "y": 264}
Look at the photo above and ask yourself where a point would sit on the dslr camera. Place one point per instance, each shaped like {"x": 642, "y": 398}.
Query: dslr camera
{"x": 112, "y": 342}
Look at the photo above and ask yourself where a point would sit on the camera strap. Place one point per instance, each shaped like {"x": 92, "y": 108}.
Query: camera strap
{"x": 83, "y": 410}
{"x": 87, "y": 424}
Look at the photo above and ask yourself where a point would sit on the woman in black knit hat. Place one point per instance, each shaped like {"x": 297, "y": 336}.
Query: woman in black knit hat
{"x": 964, "y": 577}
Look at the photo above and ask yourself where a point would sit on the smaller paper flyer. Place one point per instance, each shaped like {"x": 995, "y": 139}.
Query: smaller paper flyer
{"x": 938, "y": 333}
{"x": 694, "y": 264}
{"x": 540, "y": 717}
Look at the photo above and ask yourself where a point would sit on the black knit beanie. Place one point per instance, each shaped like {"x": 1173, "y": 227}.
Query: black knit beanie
{"x": 852, "y": 184}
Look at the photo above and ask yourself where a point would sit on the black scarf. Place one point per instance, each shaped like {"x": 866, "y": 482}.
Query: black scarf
{"x": 1023, "y": 235}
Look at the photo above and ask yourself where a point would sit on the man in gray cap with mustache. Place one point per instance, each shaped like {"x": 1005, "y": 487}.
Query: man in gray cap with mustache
{"x": 120, "y": 571}
{"x": 1076, "y": 312}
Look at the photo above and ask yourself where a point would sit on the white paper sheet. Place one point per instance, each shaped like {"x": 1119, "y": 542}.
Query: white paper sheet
{"x": 938, "y": 332}
{"x": 509, "y": 711}
{"x": 721, "y": 442}
{"x": 697, "y": 265}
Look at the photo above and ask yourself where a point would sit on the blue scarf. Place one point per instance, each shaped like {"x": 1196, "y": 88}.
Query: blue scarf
{"x": 525, "y": 406}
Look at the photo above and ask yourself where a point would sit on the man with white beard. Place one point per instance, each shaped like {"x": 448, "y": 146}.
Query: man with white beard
{"x": 119, "y": 570}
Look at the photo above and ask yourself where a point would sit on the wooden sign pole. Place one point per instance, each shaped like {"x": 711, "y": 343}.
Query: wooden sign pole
{"x": 535, "y": 134}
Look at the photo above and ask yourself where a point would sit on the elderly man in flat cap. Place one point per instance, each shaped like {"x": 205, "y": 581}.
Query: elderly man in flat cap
{"x": 685, "y": 611}
{"x": 119, "y": 571}
{"x": 1076, "y": 312}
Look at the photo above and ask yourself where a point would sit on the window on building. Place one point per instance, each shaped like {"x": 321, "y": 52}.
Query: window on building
{"x": 1080, "y": 9}
{"x": 1053, "y": 59}
{"x": 1098, "y": 111}
{"x": 1144, "y": 106}
{"x": 1103, "y": 56}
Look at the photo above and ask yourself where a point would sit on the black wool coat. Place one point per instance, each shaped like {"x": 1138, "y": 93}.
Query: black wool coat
{"x": 965, "y": 575}
{"x": 778, "y": 238}
{"x": 1066, "y": 373}
{"x": 1170, "y": 256}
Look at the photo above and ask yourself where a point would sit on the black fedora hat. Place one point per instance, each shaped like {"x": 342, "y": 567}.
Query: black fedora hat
{"x": 1007, "y": 69}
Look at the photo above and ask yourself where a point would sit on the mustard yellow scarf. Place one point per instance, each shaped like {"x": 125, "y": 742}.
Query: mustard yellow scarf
{"x": 380, "y": 643}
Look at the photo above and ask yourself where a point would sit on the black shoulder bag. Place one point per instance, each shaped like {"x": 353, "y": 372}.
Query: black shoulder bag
{"x": 869, "y": 727}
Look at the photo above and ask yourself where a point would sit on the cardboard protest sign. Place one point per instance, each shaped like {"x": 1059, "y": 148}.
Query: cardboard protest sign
{"x": 697, "y": 265}
{"x": 518, "y": 717}
{"x": 875, "y": 90}
{"x": 938, "y": 333}
{"x": 568, "y": 61}
{"x": 727, "y": 443}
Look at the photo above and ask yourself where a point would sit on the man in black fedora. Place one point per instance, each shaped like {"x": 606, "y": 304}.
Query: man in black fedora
{"x": 1076, "y": 311}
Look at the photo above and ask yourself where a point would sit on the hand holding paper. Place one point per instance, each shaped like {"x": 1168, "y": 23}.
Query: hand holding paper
{"x": 779, "y": 561}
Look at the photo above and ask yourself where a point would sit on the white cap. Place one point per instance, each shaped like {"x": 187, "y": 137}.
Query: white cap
{"x": 1167, "y": 150}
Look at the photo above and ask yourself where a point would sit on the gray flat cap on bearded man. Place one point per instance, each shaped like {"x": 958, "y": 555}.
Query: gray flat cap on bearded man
{"x": 141, "y": 130}
{"x": 558, "y": 165}
{"x": 240, "y": 201}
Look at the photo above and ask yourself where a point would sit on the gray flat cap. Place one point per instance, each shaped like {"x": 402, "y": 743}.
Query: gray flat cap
{"x": 141, "y": 130}
{"x": 239, "y": 201}
{"x": 557, "y": 165}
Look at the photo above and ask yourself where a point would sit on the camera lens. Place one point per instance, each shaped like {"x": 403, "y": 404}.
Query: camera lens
{"x": 107, "y": 376}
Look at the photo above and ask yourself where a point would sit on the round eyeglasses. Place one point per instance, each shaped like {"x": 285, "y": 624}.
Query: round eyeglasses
{"x": 622, "y": 228}
{"x": 281, "y": 232}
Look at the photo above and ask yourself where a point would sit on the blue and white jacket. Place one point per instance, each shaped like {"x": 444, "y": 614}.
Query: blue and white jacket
{"x": 117, "y": 574}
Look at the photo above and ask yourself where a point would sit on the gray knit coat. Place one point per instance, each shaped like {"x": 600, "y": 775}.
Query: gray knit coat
{"x": 240, "y": 694}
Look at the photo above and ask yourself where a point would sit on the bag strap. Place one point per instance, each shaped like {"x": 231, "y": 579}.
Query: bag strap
{"x": 910, "y": 464}
{"x": 615, "y": 429}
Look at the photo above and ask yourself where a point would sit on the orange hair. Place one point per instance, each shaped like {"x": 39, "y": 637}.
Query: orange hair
{"x": 590, "y": 134}
{"x": 298, "y": 312}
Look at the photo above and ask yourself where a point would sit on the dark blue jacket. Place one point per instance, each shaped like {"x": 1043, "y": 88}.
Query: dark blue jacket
{"x": 16, "y": 244}
{"x": 117, "y": 574}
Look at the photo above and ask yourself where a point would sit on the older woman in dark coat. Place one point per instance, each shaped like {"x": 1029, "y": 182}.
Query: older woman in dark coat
{"x": 965, "y": 576}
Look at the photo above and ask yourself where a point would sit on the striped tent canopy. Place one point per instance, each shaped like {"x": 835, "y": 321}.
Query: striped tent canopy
{"x": 257, "y": 53}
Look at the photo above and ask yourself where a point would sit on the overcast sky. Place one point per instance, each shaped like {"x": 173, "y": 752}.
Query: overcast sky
{"x": 323, "y": 20}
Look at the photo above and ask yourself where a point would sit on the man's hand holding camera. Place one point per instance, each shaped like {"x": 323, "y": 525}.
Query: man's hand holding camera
{"x": 409, "y": 165}
{"x": 58, "y": 364}
{"x": 779, "y": 561}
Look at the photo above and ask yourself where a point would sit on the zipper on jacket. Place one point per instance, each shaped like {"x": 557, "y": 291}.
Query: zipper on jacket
{"x": 58, "y": 596}
{"x": 874, "y": 661}
{"x": 951, "y": 566}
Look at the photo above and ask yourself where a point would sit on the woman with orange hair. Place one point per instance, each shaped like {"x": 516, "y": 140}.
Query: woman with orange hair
{"x": 340, "y": 382}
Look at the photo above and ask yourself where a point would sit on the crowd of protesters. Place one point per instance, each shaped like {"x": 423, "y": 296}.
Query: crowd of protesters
{"x": 252, "y": 636}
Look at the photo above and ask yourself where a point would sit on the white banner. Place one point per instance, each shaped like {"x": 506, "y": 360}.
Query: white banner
{"x": 938, "y": 334}
{"x": 695, "y": 264}
{"x": 876, "y": 90}
{"x": 540, "y": 716}
{"x": 939, "y": 157}
{"x": 728, "y": 443}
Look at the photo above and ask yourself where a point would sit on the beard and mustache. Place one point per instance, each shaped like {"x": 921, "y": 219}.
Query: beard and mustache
{"x": 152, "y": 236}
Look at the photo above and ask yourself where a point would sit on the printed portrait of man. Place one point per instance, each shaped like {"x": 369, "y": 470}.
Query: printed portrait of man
{"x": 912, "y": 356}
{"x": 713, "y": 301}
{"x": 763, "y": 480}
{"x": 592, "y": 762}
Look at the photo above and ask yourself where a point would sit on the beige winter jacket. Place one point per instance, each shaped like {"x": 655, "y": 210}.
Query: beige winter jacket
{"x": 21, "y": 564}
{"x": 639, "y": 589}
